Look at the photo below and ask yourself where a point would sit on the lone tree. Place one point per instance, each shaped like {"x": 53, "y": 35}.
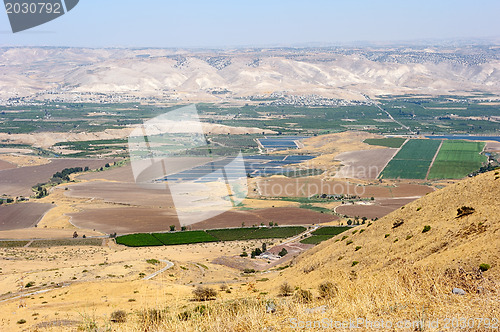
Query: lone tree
{"x": 75, "y": 235}
{"x": 172, "y": 228}
{"x": 283, "y": 252}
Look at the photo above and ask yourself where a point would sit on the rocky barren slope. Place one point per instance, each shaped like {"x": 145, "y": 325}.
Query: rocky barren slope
{"x": 178, "y": 75}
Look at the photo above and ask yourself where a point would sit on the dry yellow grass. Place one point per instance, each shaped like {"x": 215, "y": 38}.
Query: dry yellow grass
{"x": 23, "y": 161}
{"x": 327, "y": 147}
{"x": 410, "y": 279}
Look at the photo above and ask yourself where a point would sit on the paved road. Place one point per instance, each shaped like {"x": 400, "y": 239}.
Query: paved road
{"x": 168, "y": 266}
{"x": 388, "y": 114}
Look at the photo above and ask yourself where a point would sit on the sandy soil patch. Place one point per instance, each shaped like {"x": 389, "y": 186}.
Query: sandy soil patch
{"x": 263, "y": 204}
{"x": 329, "y": 146}
{"x": 15, "y": 150}
{"x": 22, "y": 161}
{"x": 45, "y": 233}
{"x": 100, "y": 280}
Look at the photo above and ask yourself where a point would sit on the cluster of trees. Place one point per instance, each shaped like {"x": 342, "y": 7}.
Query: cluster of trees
{"x": 484, "y": 169}
{"x": 356, "y": 221}
{"x": 40, "y": 189}
{"x": 6, "y": 200}
{"x": 258, "y": 251}
{"x": 172, "y": 228}
{"x": 283, "y": 252}
{"x": 340, "y": 197}
{"x": 63, "y": 175}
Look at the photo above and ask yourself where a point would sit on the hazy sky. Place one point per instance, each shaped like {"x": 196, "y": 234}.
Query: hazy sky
{"x": 226, "y": 23}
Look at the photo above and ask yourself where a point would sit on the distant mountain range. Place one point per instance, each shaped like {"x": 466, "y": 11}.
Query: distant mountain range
{"x": 244, "y": 75}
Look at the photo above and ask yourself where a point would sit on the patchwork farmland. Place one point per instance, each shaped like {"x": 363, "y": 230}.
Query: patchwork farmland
{"x": 456, "y": 159}
{"x": 413, "y": 160}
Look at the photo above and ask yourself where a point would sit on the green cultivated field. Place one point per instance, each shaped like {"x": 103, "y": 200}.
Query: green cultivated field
{"x": 456, "y": 159}
{"x": 138, "y": 240}
{"x": 418, "y": 149}
{"x": 413, "y": 160}
{"x": 232, "y": 234}
{"x": 323, "y": 234}
{"x": 330, "y": 230}
{"x": 390, "y": 142}
{"x": 316, "y": 239}
{"x": 186, "y": 237}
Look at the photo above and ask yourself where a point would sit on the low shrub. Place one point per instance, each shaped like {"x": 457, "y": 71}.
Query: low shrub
{"x": 119, "y": 316}
{"x": 285, "y": 289}
{"x": 327, "y": 289}
{"x": 484, "y": 267}
{"x": 152, "y": 316}
{"x": 204, "y": 293}
{"x": 303, "y": 296}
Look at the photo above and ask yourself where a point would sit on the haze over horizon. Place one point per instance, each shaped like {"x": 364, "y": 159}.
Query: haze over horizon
{"x": 222, "y": 24}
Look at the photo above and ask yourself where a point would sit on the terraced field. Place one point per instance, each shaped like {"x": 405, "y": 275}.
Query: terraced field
{"x": 456, "y": 159}
{"x": 412, "y": 161}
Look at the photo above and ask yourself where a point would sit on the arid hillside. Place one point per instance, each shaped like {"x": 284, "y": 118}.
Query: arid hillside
{"x": 251, "y": 74}
{"x": 454, "y": 240}
{"x": 427, "y": 262}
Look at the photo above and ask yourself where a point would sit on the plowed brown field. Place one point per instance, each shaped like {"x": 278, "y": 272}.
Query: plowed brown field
{"x": 21, "y": 215}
